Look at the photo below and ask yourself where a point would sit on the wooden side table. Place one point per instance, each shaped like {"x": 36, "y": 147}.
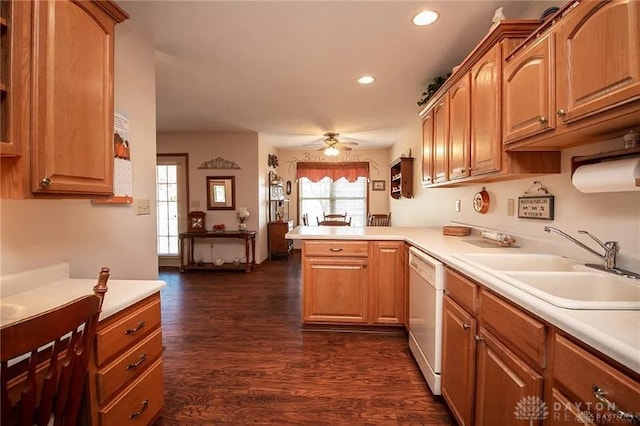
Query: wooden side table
{"x": 249, "y": 238}
{"x": 278, "y": 244}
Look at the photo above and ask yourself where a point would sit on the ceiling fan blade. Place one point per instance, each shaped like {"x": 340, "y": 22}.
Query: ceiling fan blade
{"x": 345, "y": 148}
{"x": 348, "y": 143}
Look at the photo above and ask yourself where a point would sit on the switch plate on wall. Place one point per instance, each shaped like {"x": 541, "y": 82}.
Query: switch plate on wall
{"x": 510, "y": 206}
{"x": 143, "y": 207}
{"x": 458, "y": 205}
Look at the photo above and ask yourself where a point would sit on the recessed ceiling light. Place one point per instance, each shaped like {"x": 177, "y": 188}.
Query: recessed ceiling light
{"x": 366, "y": 79}
{"x": 426, "y": 17}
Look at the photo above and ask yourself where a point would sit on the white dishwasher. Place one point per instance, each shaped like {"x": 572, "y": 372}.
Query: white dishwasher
{"x": 426, "y": 291}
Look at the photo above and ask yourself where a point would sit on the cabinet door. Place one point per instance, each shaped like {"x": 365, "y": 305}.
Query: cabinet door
{"x": 335, "y": 290}
{"x": 564, "y": 412}
{"x": 427, "y": 148}
{"x": 598, "y": 61}
{"x": 440, "y": 139}
{"x": 486, "y": 95}
{"x": 459, "y": 128}
{"x": 458, "y": 360}
{"x": 508, "y": 391}
{"x": 72, "y": 130}
{"x": 528, "y": 91}
{"x": 387, "y": 282}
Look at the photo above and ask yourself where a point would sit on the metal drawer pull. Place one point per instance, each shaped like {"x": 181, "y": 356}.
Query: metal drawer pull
{"x": 466, "y": 327}
{"x": 145, "y": 404}
{"x": 335, "y": 249}
{"x": 143, "y": 357}
{"x": 478, "y": 338}
{"x": 136, "y": 328}
{"x": 612, "y": 407}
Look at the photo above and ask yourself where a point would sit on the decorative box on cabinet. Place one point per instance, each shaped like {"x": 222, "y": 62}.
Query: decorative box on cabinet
{"x": 401, "y": 179}
{"x": 65, "y": 79}
{"x": 278, "y": 244}
{"x": 584, "y": 70}
{"x": 125, "y": 376}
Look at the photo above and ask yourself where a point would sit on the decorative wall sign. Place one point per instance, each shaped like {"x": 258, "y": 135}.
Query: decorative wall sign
{"x": 377, "y": 185}
{"x": 536, "y": 206}
{"x": 219, "y": 163}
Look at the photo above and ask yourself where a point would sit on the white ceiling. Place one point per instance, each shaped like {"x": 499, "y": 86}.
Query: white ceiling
{"x": 288, "y": 69}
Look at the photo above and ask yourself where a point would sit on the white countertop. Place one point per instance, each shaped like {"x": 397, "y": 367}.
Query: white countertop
{"x": 615, "y": 333}
{"x": 32, "y": 292}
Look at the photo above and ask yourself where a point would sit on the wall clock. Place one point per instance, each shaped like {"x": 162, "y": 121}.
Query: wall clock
{"x": 481, "y": 201}
{"x": 195, "y": 221}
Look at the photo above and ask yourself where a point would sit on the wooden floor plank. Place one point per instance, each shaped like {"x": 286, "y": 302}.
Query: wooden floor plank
{"x": 235, "y": 353}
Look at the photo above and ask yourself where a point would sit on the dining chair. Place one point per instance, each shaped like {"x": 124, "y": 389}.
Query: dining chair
{"x": 44, "y": 362}
{"x": 335, "y": 216}
{"x": 334, "y": 222}
{"x": 305, "y": 219}
{"x": 379, "y": 219}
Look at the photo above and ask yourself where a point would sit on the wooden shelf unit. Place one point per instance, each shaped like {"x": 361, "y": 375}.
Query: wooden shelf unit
{"x": 401, "y": 178}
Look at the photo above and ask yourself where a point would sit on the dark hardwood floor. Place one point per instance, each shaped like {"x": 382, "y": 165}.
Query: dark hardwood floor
{"x": 235, "y": 354}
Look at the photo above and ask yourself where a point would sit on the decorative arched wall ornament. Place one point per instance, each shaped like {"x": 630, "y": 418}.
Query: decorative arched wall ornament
{"x": 219, "y": 163}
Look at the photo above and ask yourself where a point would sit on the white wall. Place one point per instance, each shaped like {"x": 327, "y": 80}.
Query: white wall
{"x": 241, "y": 148}
{"x": 42, "y": 232}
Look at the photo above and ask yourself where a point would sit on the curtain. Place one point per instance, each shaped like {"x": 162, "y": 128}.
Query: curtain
{"x": 315, "y": 171}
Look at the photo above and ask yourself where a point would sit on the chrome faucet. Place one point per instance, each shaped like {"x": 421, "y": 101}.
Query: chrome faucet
{"x": 610, "y": 256}
{"x": 611, "y": 248}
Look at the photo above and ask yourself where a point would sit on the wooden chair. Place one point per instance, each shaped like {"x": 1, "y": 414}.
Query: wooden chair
{"x": 334, "y": 222}
{"x": 305, "y": 219}
{"x": 44, "y": 362}
{"x": 334, "y": 216}
{"x": 379, "y": 219}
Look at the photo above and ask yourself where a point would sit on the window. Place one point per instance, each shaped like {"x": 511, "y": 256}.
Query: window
{"x": 172, "y": 199}
{"x": 327, "y": 196}
{"x": 167, "y": 209}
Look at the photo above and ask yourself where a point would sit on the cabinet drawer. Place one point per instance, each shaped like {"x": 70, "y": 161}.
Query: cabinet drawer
{"x": 139, "y": 403}
{"x": 128, "y": 366}
{"x": 127, "y": 331}
{"x": 336, "y": 248}
{"x": 515, "y": 327}
{"x": 579, "y": 371}
{"x": 461, "y": 290}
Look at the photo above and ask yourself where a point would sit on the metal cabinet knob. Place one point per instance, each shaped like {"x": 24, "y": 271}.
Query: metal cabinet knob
{"x": 45, "y": 182}
{"x": 478, "y": 338}
{"x": 467, "y": 327}
{"x": 561, "y": 113}
{"x": 542, "y": 120}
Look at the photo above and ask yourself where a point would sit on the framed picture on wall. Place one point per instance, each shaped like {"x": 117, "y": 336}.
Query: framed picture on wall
{"x": 377, "y": 185}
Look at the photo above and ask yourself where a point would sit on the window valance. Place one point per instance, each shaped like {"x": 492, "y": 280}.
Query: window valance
{"x": 315, "y": 171}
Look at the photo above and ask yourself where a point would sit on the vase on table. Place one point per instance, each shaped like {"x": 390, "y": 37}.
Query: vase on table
{"x": 243, "y": 215}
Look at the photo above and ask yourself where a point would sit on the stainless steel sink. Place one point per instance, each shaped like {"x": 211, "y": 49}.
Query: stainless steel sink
{"x": 559, "y": 280}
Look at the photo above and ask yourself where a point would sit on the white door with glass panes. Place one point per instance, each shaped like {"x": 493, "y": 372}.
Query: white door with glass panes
{"x": 171, "y": 205}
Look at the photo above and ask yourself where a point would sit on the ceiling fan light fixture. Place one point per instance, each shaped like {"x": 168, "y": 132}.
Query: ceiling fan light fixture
{"x": 366, "y": 79}
{"x": 426, "y": 17}
{"x": 331, "y": 151}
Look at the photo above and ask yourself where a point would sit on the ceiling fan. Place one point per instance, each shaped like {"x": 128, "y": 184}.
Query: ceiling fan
{"x": 332, "y": 146}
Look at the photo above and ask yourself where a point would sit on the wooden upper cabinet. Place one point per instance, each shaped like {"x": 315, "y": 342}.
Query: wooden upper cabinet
{"x": 598, "y": 58}
{"x": 72, "y": 132}
{"x": 459, "y": 128}
{"x": 486, "y": 137}
{"x": 427, "y": 148}
{"x": 528, "y": 91}
{"x": 440, "y": 139}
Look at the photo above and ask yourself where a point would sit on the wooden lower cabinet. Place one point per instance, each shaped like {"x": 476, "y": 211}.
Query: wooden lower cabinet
{"x": 458, "y": 360}
{"x": 508, "y": 391}
{"x": 125, "y": 374}
{"x": 505, "y": 366}
{"x": 278, "y": 244}
{"x": 335, "y": 290}
{"x": 354, "y": 282}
